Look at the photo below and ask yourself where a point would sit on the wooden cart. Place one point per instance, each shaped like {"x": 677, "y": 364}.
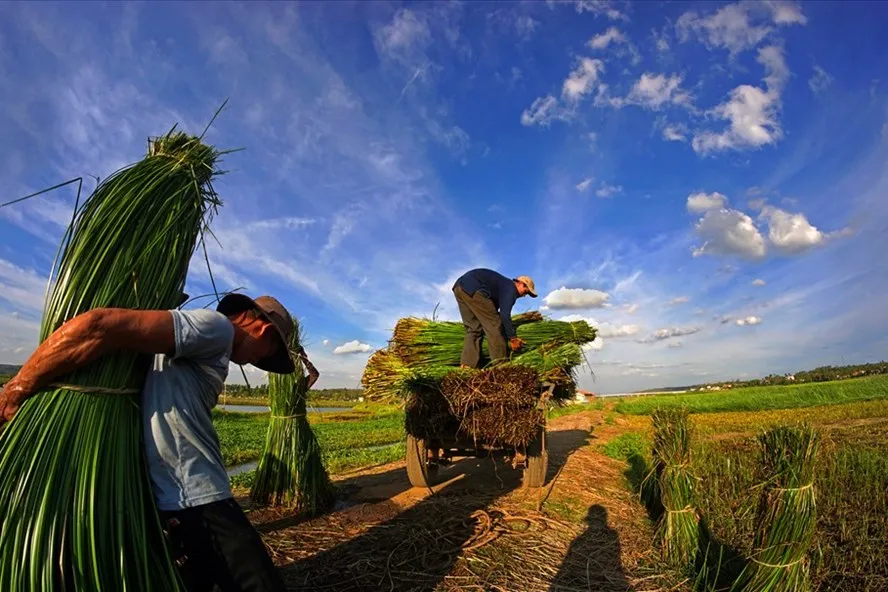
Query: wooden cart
{"x": 424, "y": 456}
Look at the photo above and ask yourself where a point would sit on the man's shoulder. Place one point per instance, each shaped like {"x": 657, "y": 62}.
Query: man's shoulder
{"x": 202, "y": 315}
{"x": 202, "y": 333}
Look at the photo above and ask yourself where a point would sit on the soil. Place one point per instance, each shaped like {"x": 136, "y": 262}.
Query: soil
{"x": 478, "y": 528}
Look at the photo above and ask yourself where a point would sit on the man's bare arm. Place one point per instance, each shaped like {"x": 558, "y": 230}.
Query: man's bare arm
{"x": 82, "y": 340}
{"x": 313, "y": 373}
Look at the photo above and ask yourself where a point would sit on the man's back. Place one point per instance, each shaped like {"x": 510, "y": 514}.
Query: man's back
{"x": 181, "y": 446}
{"x": 492, "y": 284}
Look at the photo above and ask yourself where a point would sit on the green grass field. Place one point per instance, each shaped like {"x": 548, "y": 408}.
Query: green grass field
{"x": 764, "y": 397}
{"x": 851, "y": 481}
{"x": 349, "y": 440}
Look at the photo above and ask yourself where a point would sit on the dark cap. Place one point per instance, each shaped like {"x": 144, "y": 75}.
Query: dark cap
{"x": 270, "y": 309}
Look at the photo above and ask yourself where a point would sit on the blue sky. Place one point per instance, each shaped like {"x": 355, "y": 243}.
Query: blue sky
{"x": 707, "y": 182}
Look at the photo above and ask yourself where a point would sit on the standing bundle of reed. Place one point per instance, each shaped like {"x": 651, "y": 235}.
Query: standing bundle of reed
{"x": 787, "y": 513}
{"x": 76, "y": 507}
{"x": 291, "y": 469}
{"x": 677, "y": 529}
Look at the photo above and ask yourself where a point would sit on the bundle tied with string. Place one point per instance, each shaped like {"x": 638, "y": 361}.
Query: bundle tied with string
{"x": 76, "y": 507}
{"x": 677, "y": 528}
{"x": 291, "y": 469}
{"x": 786, "y": 516}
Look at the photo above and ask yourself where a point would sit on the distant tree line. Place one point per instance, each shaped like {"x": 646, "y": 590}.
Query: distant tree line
{"x": 261, "y": 391}
{"x": 821, "y": 374}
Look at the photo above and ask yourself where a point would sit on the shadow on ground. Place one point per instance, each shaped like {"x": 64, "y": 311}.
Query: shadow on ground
{"x": 593, "y": 559}
{"x": 418, "y": 547}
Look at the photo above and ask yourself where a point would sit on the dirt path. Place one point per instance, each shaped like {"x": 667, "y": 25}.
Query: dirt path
{"x": 479, "y": 529}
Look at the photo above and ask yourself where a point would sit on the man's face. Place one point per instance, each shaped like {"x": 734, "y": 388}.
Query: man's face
{"x": 522, "y": 289}
{"x": 261, "y": 340}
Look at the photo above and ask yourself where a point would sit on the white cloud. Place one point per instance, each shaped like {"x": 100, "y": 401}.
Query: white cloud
{"x": 669, "y": 333}
{"x": 729, "y": 232}
{"x": 757, "y": 204}
{"x": 286, "y": 222}
{"x": 609, "y": 190}
{"x": 22, "y": 288}
{"x": 652, "y": 91}
{"x": 596, "y": 345}
{"x": 820, "y": 80}
{"x": 674, "y": 344}
{"x": 604, "y": 330}
{"x": 752, "y": 112}
{"x": 582, "y": 79}
{"x": 701, "y": 202}
{"x": 748, "y": 321}
{"x": 575, "y": 298}
{"x": 738, "y": 27}
{"x": 679, "y": 300}
{"x": 630, "y": 308}
{"x": 592, "y": 138}
{"x": 758, "y": 282}
{"x": 542, "y": 111}
{"x": 403, "y": 37}
{"x": 601, "y": 8}
{"x": 675, "y": 133}
{"x": 661, "y": 41}
{"x": 786, "y": 13}
{"x": 608, "y": 330}
{"x": 509, "y": 21}
{"x": 602, "y": 40}
{"x": 351, "y": 347}
{"x": 525, "y": 26}
{"x": 326, "y": 342}
{"x": 585, "y": 184}
{"x": 791, "y": 233}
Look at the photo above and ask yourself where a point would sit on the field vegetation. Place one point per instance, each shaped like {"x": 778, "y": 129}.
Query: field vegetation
{"x": 850, "y": 470}
{"x": 763, "y": 398}
{"x": 365, "y": 436}
{"x": 850, "y": 474}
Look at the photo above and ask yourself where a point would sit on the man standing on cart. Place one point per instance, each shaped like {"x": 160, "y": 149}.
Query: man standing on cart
{"x": 485, "y": 299}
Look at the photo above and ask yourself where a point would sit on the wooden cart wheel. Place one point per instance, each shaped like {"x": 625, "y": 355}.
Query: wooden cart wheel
{"x": 537, "y": 461}
{"x": 421, "y": 468}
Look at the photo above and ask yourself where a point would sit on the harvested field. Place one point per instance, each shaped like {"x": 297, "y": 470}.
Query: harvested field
{"x": 479, "y": 529}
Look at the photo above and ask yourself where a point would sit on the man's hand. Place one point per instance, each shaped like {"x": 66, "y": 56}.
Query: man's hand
{"x": 11, "y": 398}
{"x": 516, "y": 343}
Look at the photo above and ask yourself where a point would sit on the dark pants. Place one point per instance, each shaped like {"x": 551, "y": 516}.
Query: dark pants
{"x": 215, "y": 545}
{"x": 480, "y": 318}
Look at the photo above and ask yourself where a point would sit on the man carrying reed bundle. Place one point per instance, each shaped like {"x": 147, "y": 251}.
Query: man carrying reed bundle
{"x": 214, "y": 542}
{"x": 485, "y": 299}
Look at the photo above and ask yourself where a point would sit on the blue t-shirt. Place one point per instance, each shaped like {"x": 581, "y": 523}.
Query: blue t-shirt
{"x": 181, "y": 445}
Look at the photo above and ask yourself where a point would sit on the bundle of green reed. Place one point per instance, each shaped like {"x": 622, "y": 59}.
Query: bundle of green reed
{"x": 291, "y": 469}
{"x": 786, "y": 516}
{"x": 677, "y": 529}
{"x": 436, "y": 343}
{"x": 76, "y": 507}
